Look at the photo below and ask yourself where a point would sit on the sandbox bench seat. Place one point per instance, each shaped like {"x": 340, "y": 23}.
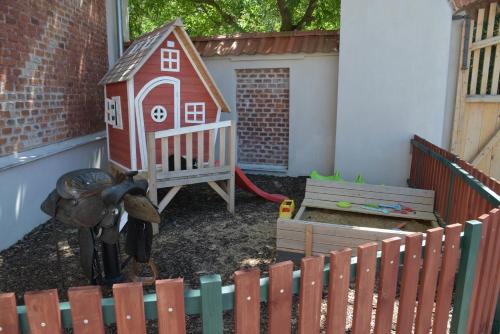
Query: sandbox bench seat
{"x": 322, "y": 194}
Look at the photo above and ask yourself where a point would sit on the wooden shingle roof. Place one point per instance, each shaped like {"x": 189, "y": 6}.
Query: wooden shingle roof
{"x": 137, "y": 54}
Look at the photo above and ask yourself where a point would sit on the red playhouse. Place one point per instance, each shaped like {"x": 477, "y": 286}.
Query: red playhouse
{"x": 162, "y": 105}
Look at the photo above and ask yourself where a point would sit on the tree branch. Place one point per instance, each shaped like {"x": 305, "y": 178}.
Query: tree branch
{"x": 286, "y": 15}
{"x": 308, "y": 15}
{"x": 227, "y": 17}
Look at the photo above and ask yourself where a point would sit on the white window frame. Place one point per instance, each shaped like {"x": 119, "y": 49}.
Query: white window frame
{"x": 170, "y": 44}
{"x": 194, "y": 112}
{"x": 167, "y": 60}
{"x": 163, "y": 118}
{"x": 113, "y": 112}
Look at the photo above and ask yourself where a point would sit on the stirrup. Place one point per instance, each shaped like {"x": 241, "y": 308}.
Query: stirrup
{"x": 146, "y": 280}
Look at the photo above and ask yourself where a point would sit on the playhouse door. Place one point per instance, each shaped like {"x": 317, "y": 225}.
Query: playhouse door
{"x": 158, "y": 104}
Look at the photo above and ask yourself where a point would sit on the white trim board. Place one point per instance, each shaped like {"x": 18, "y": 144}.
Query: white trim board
{"x": 131, "y": 123}
{"x": 141, "y": 95}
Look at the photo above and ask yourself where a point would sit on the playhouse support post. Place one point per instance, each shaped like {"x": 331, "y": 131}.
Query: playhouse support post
{"x": 232, "y": 161}
{"x": 153, "y": 190}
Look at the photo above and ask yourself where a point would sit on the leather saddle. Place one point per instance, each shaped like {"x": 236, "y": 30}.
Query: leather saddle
{"x": 93, "y": 201}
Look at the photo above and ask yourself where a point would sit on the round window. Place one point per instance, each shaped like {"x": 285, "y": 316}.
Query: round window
{"x": 158, "y": 114}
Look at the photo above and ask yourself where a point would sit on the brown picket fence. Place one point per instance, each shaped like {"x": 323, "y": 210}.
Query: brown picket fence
{"x": 393, "y": 273}
{"x": 463, "y": 192}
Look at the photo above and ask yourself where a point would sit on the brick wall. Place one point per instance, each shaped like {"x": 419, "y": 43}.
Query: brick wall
{"x": 262, "y": 101}
{"x": 52, "y": 54}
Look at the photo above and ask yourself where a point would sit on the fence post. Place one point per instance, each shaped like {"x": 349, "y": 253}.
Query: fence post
{"x": 496, "y": 320}
{"x": 450, "y": 195}
{"x": 465, "y": 276}
{"x": 211, "y": 304}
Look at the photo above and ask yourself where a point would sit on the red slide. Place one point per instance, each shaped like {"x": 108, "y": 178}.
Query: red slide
{"x": 244, "y": 183}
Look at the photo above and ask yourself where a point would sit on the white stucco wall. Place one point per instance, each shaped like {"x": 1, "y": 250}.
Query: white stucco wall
{"x": 313, "y": 100}
{"x": 393, "y": 76}
{"x": 28, "y": 177}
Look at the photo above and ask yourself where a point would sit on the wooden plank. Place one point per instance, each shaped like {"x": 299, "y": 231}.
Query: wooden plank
{"x": 370, "y": 194}
{"x": 487, "y": 273}
{"x": 86, "y": 310}
{"x": 129, "y": 308}
{"x": 177, "y": 153}
{"x": 289, "y": 237}
{"x": 247, "y": 301}
{"x": 490, "y": 314}
{"x": 193, "y": 179}
{"x": 308, "y": 243}
{"x": 361, "y": 232}
{"x": 189, "y": 151}
{"x": 168, "y": 198}
{"x": 465, "y": 277}
{"x": 372, "y": 187}
{"x": 480, "y": 270}
{"x": 9, "y": 322}
{"x": 219, "y": 190}
{"x": 311, "y": 291}
{"x": 427, "y": 291}
{"x": 419, "y": 215}
{"x": 491, "y": 41}
{"x": 447, "y": 278}
{"x": 211, "y": 304}
{"x": 487, "y": 149}
{"x": 211, "y": 148}
{"x": 483, "y": 99}
{"x": 323, "y": 249}
{"x": 222, "y": 147}
{"x": 487, "y": 50}
{"x": 231, "y": 183}
{"x": 388, "y": 280}
{"x": 300, "y": 212}
{"x": 193, "y": 173}
{"x": 280, "y": 297}
{"x": 164, "y": 155}
{"x": 476, "y": 53}
{"x": 170, "y": 305}
{"x": 365, "y": 281}
{"x": 151, "y": 148}
{"x": 43, "y": 312}
{"x": 338, "y": 289}
{"x": 192, "y": 129}
{"x": 496, "y": 70}
{"x": 409, "y": 283}
{"x": 360, "y": 201}
{"x": 201, "y": 158}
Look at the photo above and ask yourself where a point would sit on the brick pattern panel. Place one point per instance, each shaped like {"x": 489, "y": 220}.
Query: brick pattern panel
{"x": 262, "y": 103}
{"x": 52, "y": 55}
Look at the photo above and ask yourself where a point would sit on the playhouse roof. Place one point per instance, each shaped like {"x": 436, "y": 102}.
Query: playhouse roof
{"x": 316, "y": 41}
{"x": 143, "y": 47}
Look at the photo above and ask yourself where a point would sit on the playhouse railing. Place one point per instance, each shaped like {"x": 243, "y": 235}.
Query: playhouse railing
{"x": 463, "y": 192}
{"x": 87, "y": 312}
{"x": 196, "y": 158}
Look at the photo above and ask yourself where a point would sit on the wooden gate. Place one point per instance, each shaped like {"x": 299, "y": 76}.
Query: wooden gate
{"x": 476, "y": 124}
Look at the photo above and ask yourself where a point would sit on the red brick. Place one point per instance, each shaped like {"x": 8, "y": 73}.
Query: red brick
{"x": 263, "y": 116}
{"x": 41, "y": 69}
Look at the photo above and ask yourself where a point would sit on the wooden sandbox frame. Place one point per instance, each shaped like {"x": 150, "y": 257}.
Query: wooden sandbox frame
{"x": 297, "y": 237}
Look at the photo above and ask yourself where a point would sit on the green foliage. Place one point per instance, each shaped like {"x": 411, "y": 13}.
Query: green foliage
{"x": 213, "y": 17}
